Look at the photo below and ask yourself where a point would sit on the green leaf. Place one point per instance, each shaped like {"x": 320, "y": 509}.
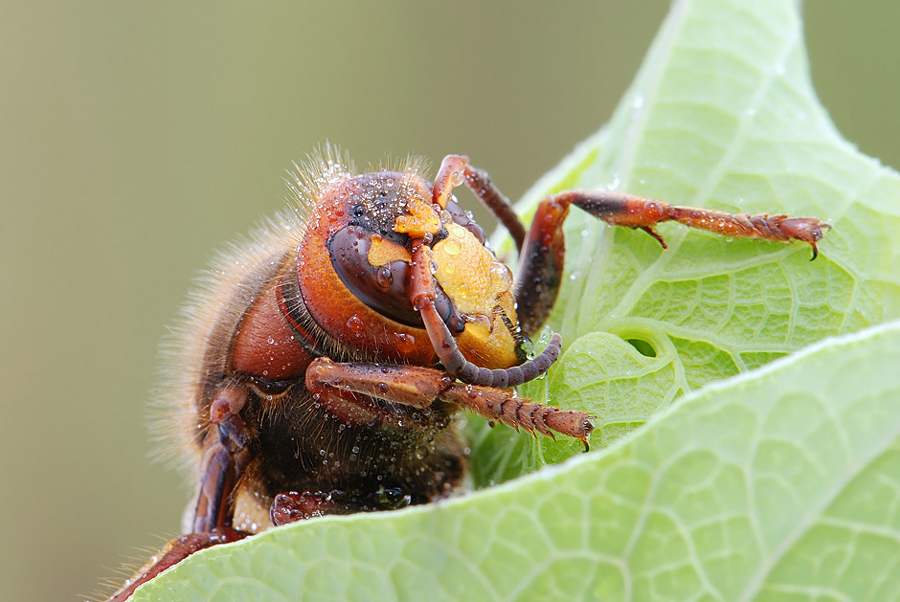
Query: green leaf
{"x": 783, "y": 483}
{"x": 780, "y": 482}
{"x": 721, "y": 115}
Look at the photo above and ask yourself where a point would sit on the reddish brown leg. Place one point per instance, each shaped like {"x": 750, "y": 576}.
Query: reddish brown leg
{"x": 634, "y": 212}
{"x": 175, "y": 551}
{"x": 541, "y": 265}
{"x": 479, "y": 182}
{"x": 213, "y": 507}
{"x": 455, "y": 170}
{"x": 294, "y": 506}
{"x": 541, "y": 261}
{"x": 223, "y": 462}
{"x": 418, "y": 387}
{"x": 450, "y": 175}
{"x": 222, "y": 465}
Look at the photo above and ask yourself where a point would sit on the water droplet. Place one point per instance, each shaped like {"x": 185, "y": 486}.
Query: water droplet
{"x": 457, "y": 177}
{"x": 405, "y": 342}
{"x": 501, "y": 277}
{"x": 528, "y": 347}
{"x": 384, "y": 276}
{"x": 452, "y": 246}
{"x": 481, "y": 320}
{"x": 355, "y": 324}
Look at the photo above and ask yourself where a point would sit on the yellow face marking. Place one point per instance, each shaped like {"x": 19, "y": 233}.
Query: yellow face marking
{"x": 382, "y": 252}
{"x": 420, "y": 220}
{"x": 478, "y": 285}
{"x": 464, "y": 271}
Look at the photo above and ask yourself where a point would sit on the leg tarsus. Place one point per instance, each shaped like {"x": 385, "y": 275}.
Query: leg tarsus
{"x": 649, "y": 230}
{"x": 621, "y": 209}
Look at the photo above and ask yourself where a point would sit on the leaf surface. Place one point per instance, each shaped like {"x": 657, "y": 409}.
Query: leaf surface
{"x": 722, "y": 115}
{"x": 783, "y": 483}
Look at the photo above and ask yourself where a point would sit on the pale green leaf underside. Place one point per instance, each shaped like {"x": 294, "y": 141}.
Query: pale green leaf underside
{"x": 721, "y": 115}
{"x": 781, "y": 483}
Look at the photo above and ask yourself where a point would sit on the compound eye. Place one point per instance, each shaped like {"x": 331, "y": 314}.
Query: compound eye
{"x": 385, "y": 285}
{"x": 384, "y": 288}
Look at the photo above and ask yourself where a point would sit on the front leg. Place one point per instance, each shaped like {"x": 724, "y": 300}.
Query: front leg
{"x": 221, "y": 467}
{"x": 293, "y": 506}
{"x": 541, "y": 260}
{"x": 338, "y": 386}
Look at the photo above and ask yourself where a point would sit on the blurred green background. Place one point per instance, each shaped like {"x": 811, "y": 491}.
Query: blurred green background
{"x": 138, "y": 137}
